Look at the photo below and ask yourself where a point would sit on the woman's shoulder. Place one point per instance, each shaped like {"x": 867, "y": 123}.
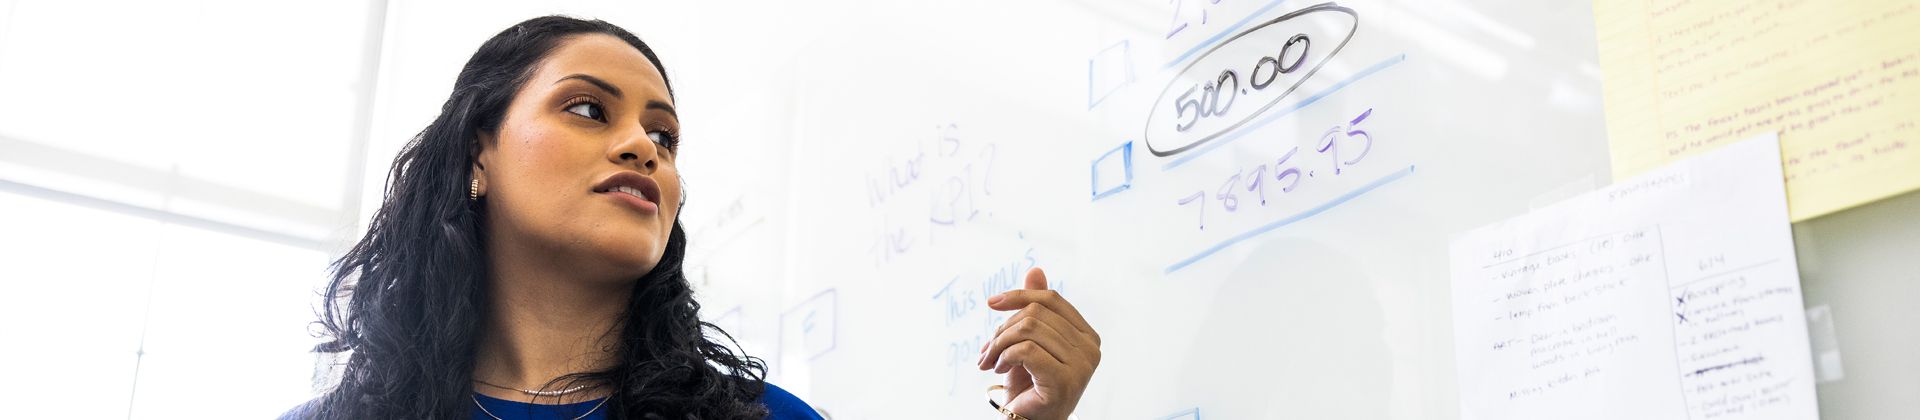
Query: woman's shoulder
{"x": 300, "y": 412}
{"x": 782, "y": 405}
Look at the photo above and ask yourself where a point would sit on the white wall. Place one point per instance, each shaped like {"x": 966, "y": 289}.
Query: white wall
{"x": 174, "y": 177}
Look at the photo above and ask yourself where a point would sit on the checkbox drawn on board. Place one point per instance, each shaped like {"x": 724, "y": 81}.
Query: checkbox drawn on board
{"x": 1108, "y": 71}
{"x": 1113, "y": 171}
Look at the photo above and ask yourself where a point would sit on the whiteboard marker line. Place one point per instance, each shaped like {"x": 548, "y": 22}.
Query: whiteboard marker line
{"x": 1396, "y": 175}
{"x": 1275, "y": 115}
{"x": 1223, "y": 33}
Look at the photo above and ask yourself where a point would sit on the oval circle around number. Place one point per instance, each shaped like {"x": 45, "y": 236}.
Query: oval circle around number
{"x": 1268, "y": 63}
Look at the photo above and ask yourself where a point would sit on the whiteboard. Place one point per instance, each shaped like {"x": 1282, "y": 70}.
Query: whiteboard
{"x": 985, "y": 129}
{"x": 861, "y": 175}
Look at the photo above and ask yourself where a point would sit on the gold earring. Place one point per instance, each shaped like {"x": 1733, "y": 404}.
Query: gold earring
{"x": 473, "y": 190}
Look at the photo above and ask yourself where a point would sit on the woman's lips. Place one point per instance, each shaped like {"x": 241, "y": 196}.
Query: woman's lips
{"x": 632, "y": 198}
{"x": 632, "y": 188}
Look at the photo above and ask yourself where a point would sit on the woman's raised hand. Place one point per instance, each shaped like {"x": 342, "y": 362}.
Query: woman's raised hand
{"x": 1047, "y": 350}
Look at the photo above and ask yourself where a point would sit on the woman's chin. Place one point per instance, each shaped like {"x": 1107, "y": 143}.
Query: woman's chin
{"x": 631, "y": 262}
{"x": 625, "y": 254}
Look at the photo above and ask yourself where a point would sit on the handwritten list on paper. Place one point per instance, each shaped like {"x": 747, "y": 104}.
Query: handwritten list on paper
{"x": 1672, "y": 295}
{"x": 1838, "y": 81}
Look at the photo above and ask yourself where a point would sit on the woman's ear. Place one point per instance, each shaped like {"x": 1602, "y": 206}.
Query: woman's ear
{"x": 482, "y": 153}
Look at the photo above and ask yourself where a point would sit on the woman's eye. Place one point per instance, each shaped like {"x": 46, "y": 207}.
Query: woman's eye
{"x": 664, "y": 139}
{"x": 589, "y": 110}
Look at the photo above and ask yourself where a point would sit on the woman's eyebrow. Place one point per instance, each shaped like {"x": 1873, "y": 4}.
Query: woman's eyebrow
{"x": 661, "y": 106}
{"x": 595, "y": 81}
{"x": 610, "y": 88}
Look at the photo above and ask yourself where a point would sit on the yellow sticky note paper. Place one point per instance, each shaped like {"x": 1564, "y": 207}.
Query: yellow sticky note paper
{"x": 1839, "y": 81}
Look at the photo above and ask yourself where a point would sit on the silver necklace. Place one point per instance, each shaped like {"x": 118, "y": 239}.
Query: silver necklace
{"x": 537, "y": 393}
{"x": 483, "y": 408}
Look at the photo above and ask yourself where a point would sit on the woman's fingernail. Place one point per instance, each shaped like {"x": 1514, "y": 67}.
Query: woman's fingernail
{"x": 995, "y": 300}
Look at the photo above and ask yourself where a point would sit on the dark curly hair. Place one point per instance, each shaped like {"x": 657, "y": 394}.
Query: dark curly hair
{"x": 409, "y": 300}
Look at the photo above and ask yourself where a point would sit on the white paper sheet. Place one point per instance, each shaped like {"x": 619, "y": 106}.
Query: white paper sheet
{"x": 1673, "y": 295}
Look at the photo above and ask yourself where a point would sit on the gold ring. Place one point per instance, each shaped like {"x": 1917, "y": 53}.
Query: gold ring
{"x": 1002, "y": 409}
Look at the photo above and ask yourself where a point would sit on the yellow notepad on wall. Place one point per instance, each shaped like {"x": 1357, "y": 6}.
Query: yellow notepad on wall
{"x": 1839, "y": 82}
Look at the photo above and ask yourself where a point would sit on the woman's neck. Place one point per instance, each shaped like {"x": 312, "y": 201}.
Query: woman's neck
{"x": 543, "y": 324}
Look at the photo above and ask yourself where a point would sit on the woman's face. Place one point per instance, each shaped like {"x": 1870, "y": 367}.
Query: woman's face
{"x": 580, "y": 174}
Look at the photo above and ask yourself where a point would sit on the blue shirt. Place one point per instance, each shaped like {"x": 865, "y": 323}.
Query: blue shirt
{"x": 780, "y": 406}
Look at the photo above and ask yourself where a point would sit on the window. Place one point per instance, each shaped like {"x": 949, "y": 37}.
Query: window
{"x": 174, "y": 177}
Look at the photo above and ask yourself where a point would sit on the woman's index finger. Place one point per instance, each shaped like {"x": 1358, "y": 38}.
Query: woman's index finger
{"x": 1013, "y": 300}
{"x": 1036, "y": 279}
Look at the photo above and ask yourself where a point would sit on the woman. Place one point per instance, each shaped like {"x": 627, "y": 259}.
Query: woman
{"x": 526, "y": 262}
